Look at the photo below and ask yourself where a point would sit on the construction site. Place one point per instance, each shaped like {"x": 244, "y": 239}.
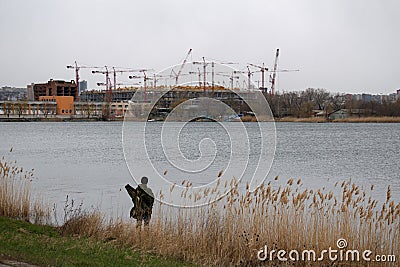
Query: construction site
{"x": 58, "y": 99}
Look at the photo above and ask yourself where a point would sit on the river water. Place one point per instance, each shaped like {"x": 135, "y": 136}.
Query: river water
{"x": 85, "y": 160}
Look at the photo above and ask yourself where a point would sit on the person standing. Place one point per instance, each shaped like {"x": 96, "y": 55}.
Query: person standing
{"x": 143, "y": 200}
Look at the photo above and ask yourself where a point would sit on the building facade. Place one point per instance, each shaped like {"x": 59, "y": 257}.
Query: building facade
{"x": 55, "y": 88}
{"x": 12, "y": 93}
{"x": 64, "y": 104}
{"x": 82, "y": 86}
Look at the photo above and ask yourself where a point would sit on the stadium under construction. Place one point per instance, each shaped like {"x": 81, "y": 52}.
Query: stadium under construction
{"x": 164, "y": 91}
{"x": 92, "y": 103}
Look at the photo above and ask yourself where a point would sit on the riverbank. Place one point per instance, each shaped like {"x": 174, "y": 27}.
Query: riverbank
{"x": 43, "y": 245}
{"x": 55, "y": 119}
{"x": 30, "y": 232}
{"x": 243, "y": 119}
{"x": 47, "y": 119}
{"x": 344, "y": 120}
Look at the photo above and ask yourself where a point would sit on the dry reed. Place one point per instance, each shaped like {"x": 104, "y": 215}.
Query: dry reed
{"x": 370, "y": 119}
{"x": 288, "y": 217}
{"x": 351, "y": 119}
{"x": 308, "y": 119}
{"x": 15, "y": 194}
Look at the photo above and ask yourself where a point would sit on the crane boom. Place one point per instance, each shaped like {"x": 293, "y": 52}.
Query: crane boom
{"x": 77, "y": 68}
{"x": 274, "y": 72}
{"x": 183, "y": 64}
{"x": 263, "y": 69}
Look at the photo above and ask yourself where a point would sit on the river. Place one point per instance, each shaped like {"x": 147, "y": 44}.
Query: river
{"x": 85, "y": 160}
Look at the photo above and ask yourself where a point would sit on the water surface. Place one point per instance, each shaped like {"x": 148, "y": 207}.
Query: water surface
{"x": 85, "y": 160}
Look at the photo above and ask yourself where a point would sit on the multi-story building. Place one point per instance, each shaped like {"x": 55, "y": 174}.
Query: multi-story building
{"x": 55, "y": 88}
{"x": 82, "y": 86}
{"x": 366, "y": 97}
{"x": 12, "y": 93}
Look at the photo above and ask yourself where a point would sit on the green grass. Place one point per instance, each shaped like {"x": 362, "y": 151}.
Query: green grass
{"x": 44, "y": 246}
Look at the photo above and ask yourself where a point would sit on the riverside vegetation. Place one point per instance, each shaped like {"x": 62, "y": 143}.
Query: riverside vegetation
{"x": 351, "y": 119}
{"x": 301, "y": 104}
{"x": 226, "y": 233}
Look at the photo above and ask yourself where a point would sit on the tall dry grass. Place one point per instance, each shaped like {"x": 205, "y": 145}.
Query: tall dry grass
{"x": 15, "y": 195}
{"x": 232, "y": 231}
{"x": 309, "y": 119}
{"x": 351, "y": 119}
{"x": 370, "y": 119}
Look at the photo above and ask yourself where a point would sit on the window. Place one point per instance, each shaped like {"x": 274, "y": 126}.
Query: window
{"x": 62, "y": 111}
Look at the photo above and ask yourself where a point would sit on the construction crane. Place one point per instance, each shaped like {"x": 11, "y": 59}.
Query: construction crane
{"x": 231, "y": 77}
{"x": 108, "y": 96}
{"x": 275, "y": 70}
{"x": 121, "y": 71}
{"x": 263, "y": 69}
{"x": 77, "y": 68}
{"x": 157, "y": 77}
{"x": 273, "y": 74}
{"x": 199, "y": 73}
{"x": 145, "y": 78}
{"x": 205, "y": 64}
{"x": 204, "y": 76}
{"x": 249, "y": 73}
{"x": 182, "y": 65}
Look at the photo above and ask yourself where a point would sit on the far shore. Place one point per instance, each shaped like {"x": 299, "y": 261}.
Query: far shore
{"x": 343, "y": 120}
{"x": 370, "y": 119}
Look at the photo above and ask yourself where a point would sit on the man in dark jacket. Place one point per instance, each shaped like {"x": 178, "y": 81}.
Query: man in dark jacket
{"x": 143, "y": 200}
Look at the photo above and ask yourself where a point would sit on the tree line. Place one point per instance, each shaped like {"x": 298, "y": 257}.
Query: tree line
{"x": 303, "y": 104}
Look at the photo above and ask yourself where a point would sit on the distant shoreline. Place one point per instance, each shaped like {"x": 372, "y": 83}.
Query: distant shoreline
{"x": 246, "y": 119}
{"x": 344, "y": 120}
{"x": 52, "y": 119}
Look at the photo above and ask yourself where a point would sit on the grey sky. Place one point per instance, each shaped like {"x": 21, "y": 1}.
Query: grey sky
{"x": 340, "y": 45}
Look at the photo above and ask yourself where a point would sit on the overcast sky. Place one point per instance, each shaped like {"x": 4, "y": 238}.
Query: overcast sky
{"x": 340, "y": 45}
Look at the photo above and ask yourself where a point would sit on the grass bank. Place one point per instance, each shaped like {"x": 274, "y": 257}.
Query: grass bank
{"x": 46, "y": 246}
{"x": 283, "y": 216}
{"x": 27, "y": 232}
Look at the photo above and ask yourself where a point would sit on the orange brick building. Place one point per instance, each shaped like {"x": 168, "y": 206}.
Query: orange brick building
{"x": 65, "y": 104}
